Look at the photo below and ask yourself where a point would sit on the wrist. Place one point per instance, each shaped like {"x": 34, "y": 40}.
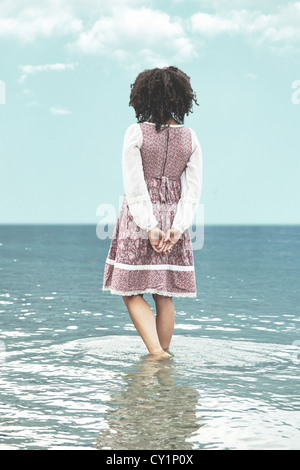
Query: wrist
{"x": 177, "y": 230}
{"x": 153, "y": 229}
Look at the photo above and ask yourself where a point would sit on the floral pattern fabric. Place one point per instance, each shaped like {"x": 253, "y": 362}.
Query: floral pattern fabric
{"x": 132, "y": 266}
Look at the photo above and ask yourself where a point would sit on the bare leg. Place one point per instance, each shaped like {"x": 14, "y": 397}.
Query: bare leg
{"x": 165, "y": 319}
{"x": 143, "y": 319}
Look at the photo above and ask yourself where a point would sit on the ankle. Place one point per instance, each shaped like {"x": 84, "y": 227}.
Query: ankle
{"x": 156, "y": 351}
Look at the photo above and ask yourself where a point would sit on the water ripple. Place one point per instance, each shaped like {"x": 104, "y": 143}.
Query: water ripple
{"x": 104, "y": 392}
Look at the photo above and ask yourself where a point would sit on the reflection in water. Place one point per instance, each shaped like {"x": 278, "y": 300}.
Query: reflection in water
{"x": 152, "y": 411}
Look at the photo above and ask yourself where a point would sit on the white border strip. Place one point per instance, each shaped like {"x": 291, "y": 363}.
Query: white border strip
{"x": 147, "y": 267}
{"x": 150, "y": 291}
{"x": 163, "y": 125}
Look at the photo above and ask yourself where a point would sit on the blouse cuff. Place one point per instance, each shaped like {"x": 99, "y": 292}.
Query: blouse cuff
{"x": 184, "y": 217}
{"x": 142, "y": 215}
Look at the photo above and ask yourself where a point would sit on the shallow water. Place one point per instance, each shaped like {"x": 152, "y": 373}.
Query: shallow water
{"x": 74, "y": 373}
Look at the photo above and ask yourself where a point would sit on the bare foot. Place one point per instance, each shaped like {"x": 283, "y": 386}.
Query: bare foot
{"x": 167, "y": 350}
{"x": 158, "y": 356}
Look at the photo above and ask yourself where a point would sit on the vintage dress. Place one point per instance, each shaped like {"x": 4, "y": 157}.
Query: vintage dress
{"x": 162, "y": 176}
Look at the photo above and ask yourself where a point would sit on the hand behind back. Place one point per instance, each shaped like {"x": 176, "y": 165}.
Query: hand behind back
{"x": 162, "y": 242}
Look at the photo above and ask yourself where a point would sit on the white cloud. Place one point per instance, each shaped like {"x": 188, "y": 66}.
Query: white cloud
{"x": 120, "y": 29}
{"x": 228, "y": 5}
{"x": 34, "y": 69}
{"x": 129, "y": 27}
{"x": 28, "y": 21}
{"x": 59, "y": 111}
{"x": 100, "y": 7}
{"x": 134, "y": 34}
{"x": 39, "y": 19}
{"x": 131, "y": 36}
{"x": 210, "y": 24}
{"x": 280, "y": 27}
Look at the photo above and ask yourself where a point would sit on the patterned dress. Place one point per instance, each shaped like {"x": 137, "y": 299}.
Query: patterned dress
{"x": 162, "y": 173}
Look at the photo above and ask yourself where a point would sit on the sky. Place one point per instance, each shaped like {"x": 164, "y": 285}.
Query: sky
{"x": 65, "y": 72}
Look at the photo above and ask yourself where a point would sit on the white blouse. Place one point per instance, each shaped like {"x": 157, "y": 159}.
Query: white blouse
{"x": 135, "y": 187}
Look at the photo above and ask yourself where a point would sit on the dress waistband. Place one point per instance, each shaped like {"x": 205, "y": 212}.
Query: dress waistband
{"x": 164, "y": 190}
{"x": 165, "y": 186}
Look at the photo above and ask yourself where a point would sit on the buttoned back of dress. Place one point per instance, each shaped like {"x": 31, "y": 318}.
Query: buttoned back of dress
{"x": 166, "y": 152}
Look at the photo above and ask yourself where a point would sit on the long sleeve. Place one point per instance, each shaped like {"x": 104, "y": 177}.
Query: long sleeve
{"x": 135, "y": 187}
{"x": 191, "y": 187}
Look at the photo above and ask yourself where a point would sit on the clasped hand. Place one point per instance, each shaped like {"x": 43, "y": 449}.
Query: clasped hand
{"x": 162, "y": 242}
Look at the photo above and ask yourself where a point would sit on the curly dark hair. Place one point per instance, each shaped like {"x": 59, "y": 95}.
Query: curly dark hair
{"x": 160, "y": 94}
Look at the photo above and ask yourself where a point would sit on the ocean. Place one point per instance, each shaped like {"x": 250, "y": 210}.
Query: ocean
{"x": 74, "y": 373}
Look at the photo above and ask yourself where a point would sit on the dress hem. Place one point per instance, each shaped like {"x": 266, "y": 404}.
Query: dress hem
{"x": 150, "y": 291}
